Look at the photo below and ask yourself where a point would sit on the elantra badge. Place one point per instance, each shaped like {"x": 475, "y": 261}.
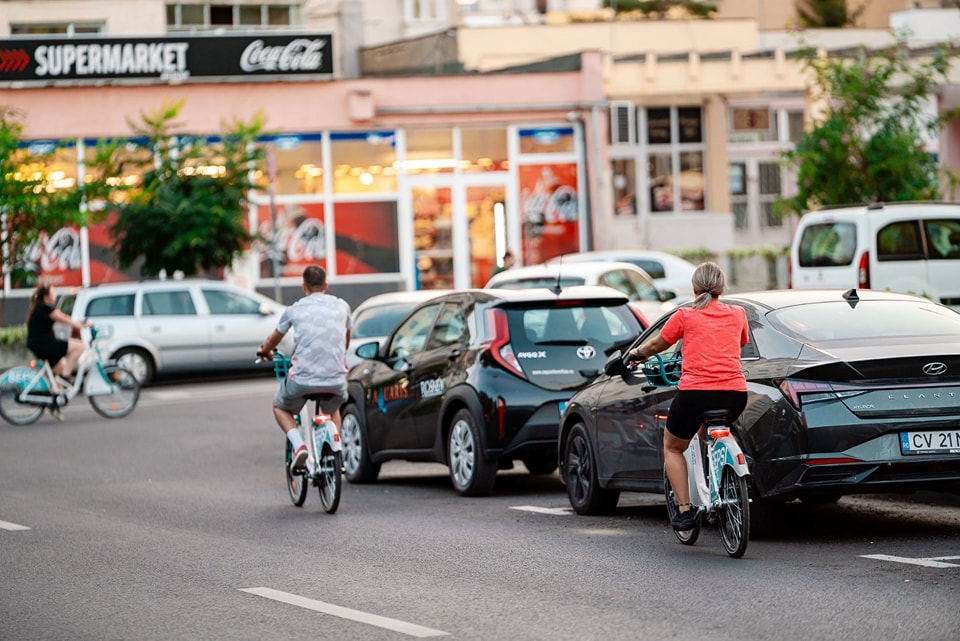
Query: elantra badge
{"x": 934, "y": 369}
{"x": 586, "y": 352}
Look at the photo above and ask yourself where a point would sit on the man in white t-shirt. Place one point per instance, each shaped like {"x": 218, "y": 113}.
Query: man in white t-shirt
{"x": 321, "y": 325}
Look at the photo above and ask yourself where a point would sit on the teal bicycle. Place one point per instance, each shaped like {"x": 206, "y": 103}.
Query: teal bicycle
{"x": 25, "y": 391}
{"x": 324, "y": 467}
{"x": 717, "y": 471}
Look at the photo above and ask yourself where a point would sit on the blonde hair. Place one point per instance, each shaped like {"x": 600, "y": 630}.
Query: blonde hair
{"x": 708, "y": 282}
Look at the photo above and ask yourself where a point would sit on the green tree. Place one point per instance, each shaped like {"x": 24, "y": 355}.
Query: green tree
{"x": 867, "y": 144}
{"x": 818, "y": 14}
{"x": 189, "y": 212}
{"x": 30, "y": 204}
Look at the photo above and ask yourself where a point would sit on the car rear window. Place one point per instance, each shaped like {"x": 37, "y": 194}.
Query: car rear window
{"x": 831, "y": 244}
{"x": 869, "y": 320}
{"x": 532, "y": 283}
{"x": 565, "y": 347}
{"x": 115, "y": 305}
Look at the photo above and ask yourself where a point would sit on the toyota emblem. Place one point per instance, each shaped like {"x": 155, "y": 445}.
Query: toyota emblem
{"x": 586, "y": 352}
{"x": 934, "y": 369}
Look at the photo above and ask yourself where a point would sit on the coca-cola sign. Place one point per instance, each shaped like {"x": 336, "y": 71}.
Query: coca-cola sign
{"x": 165, "y": 59}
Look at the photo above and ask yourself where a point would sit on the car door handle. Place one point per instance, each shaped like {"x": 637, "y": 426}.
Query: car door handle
{"x": 455, "y": 354}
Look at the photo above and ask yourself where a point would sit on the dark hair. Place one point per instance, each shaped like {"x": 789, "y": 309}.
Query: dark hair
{"x": 315, "y": 278}
{"x": 38, "y": 295}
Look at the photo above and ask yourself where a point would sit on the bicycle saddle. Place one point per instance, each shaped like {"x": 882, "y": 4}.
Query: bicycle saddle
{"x": 712, "y": 418}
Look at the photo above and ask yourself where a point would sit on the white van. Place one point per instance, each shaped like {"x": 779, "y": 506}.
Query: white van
{"x": 902, "y": 247}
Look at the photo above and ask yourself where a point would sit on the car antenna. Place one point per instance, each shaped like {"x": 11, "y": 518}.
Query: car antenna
{"x": 556, "y": 288}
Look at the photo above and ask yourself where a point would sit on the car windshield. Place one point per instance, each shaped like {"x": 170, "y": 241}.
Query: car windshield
{"x": 840, "y": 320}
{"x": 379, "y": 321}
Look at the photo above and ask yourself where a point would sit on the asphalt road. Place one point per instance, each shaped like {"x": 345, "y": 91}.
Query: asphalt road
{"x": 174, "y": 524}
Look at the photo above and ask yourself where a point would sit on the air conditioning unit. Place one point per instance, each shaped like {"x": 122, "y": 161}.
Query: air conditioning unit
{"x": 623, "y": 122}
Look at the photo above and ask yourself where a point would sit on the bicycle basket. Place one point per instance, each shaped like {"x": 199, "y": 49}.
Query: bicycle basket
{"x": 281, "y": 365}
{"x": 663, "y": 372}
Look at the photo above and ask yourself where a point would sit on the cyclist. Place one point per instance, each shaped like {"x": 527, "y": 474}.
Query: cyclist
{"x": 711, "y": 379}
{"x": 321, "y": 325}
{"x": 63, "y": 355}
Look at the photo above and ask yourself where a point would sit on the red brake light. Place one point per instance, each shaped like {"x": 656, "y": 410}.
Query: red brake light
{"x": 793, "y": 390}
{"x": 863, "y": 271}
{"x": 500, "y": 348}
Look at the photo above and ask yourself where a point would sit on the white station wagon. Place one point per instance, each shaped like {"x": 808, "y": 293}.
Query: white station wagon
{"x": 176, "y": 325}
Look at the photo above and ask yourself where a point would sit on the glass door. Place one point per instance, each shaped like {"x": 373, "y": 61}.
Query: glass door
{"x": 433, "y": 236}
{"x": 486, "y": 213}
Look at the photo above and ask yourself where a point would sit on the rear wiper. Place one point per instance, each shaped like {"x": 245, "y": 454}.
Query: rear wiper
{"x": 567, "y": 341}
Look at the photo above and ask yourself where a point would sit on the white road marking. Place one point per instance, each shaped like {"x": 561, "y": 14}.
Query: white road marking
{"x": 13, "y": 527}
{"x": 931, "y": 562}
{"x": 396, "y": 625}
{"x": 554, "y": 511}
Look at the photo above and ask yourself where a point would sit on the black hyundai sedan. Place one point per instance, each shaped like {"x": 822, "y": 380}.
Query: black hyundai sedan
{"x": 849, "y": 393}
{"x": 477, "y": 379}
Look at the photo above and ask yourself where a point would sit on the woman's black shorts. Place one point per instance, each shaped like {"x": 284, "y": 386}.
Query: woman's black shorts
{"x": 690, "y": 404}
{"x": 51, "y": 351}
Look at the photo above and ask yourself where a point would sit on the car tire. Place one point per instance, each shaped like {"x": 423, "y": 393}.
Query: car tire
{"x": 138, "y": 362}
{"x": 579, "y": 469}
{"x": 471, "y": 473}
{"x": 540, "y": 464}
{"x": 357, "y": 465}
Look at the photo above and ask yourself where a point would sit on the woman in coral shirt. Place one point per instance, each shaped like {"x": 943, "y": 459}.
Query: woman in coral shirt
{"x": 712, "y": 333}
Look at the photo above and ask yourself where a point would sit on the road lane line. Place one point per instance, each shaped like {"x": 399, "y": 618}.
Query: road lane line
{"x": 554, "y": 511}
{"x": 13, "y": 527}
{"x": 396, "y": 625}
{"x": 933, "y": 562}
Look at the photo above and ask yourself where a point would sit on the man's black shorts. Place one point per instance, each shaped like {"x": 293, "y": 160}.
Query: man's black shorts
{"x": 690, "y": 404}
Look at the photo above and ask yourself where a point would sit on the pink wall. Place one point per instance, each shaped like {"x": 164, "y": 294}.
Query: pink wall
{"x": 55, "y": 112}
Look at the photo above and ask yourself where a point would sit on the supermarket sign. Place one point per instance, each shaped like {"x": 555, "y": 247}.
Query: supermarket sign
{"x": 166, "y": 59}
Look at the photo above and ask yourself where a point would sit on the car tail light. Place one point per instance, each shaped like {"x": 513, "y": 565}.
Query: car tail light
{"x": 500, "y": 348}
{"x": 799, "y": 392}
{"x": 644, "y": 323}
{"x": 501, "y": 411}
{"x": 831, "y": 461}
{"x": 75, "y": 333}
{"x": 790, "y": 274}
{"x": 863, "y": 271}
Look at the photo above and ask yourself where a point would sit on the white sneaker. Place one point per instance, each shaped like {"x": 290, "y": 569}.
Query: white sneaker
{"x": 299, "y": 459}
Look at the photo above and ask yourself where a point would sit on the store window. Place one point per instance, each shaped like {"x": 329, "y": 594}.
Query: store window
{"x": 368, "y": 240}
{"x": 429, "y": 151}
{"x": 484, "y": 149}
{"x": 549, "y": 202}
{"x": 364, "y": 162}
{"x": 675, "y": 158}
{"x": 549, "y": 140}
{"x": 298, "y": 163}
{"x": 424, "y": 10}
{"x": 624, "y": 172}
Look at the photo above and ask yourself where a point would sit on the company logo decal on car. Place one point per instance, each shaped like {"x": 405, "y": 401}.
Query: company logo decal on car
{"x": 434, "y": 387}
{"x": 539, "y": 354}
{"x": 586, "y": 352}
{"x": 934, "y": 369}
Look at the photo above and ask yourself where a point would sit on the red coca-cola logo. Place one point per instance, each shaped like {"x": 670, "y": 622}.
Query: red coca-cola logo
{"x": 13, "y": 60}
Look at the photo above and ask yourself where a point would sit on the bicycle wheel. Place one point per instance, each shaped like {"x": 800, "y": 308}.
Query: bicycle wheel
{"x": 734, "y": 511}
{"x": 296, "y": 483}
{"x": 687, "y": 537}
{"x": 123, "y": 395}
{"x": 15, "y": 412}
{"x": 329, "y": 479}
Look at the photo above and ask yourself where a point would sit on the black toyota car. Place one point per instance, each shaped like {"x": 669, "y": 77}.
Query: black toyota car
{"x": 849, "y": 393}
{"x": 477, "y": 379}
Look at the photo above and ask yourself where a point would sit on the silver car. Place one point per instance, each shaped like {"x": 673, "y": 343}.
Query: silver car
{"x": 176, "y": 325}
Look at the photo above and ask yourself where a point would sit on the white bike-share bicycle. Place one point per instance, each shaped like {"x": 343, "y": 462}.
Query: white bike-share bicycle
{"x": 717, "y": 471}
{"x": 324, "y": 467}
{"x": 25, "y": 391}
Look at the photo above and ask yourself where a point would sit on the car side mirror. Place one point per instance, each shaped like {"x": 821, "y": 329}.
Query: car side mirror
{"x": 368, "y": 350}
{"x": 266, "y": 310}
{"x": 615, "y": 365}
{"x": 667, "y": 294}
